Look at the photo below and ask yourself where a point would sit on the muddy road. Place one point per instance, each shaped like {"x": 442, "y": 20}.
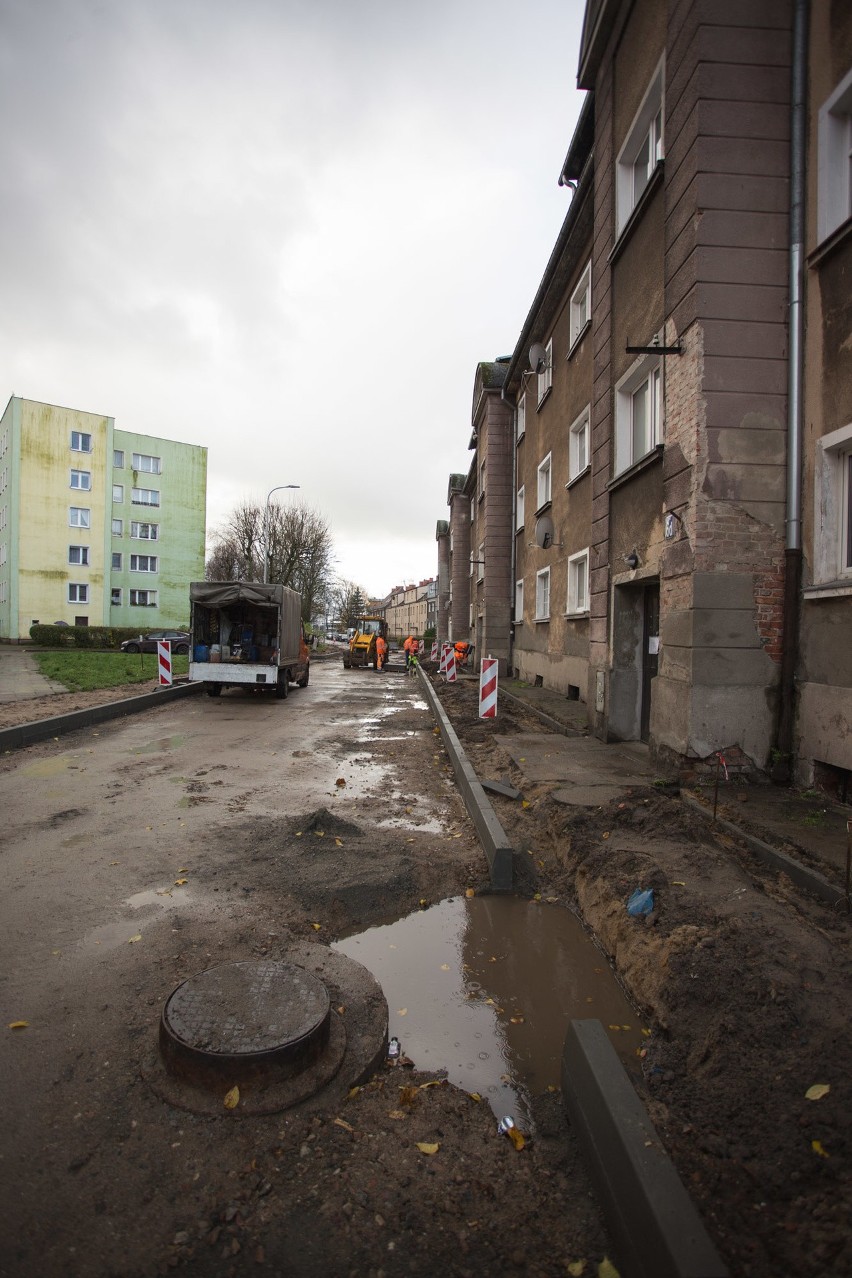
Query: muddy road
{"x": 142, "y": 852}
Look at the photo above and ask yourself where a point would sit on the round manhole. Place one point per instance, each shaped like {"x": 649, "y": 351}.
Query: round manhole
{"x": 245, "y": 1022}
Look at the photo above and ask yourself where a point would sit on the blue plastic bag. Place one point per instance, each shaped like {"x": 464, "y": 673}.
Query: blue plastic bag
{"x": 640, "y": 902}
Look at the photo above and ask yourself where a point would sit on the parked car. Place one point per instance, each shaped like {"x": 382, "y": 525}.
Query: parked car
{"x": 179, "y": 640}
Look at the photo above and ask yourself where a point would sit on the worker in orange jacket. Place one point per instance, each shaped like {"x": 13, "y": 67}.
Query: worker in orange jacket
{"x": 381, "y": 653}
{"x": 410, "y": 647}
{"x": 461, "y": 652}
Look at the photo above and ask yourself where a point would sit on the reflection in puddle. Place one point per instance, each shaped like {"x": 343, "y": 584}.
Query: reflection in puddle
{"x": 427, "y": 826}
{"x": 485, "y": 988}
{"x": 155, "y": 901}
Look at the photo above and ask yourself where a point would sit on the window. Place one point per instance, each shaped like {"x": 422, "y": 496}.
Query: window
{"x": 542, "y": 595}
{"x": 150, "y": 465}
{"x": 481, "y": 480}
{"x": 638, "y": 413}
{"x": 143, "y": 598}
{"x": 115, "y": 597}
{"x": 145, "y": 496}
{"x": 578, "y": 583}
{"x": 81, "y": 479}
{"x": 117, "y": 527}
{"x": 578, "y": 446}
{"x": 519, "y": 508}
{"x": 519, "y": 603}
{"x": 545, "y": 376}
{"x": 833, "y": 508}
{"x": 79, "y": 517}
{"x": 581, "y": 305}
{"x": 480, "y": 567}
{"x": 116, "y": 561}
{"x": 78, "y": 592}
{"x": 118, "y": 459}
{"x": 80, "y": 443}
{"x": 118, "y": 492}
{"x": 143, "y": 563}
{"x": 642, "y": 151}
{"x": 521, "y": 417}
{"x": 144, "y": 532}
{"x": 543, "y": 483}
{"x": 834, "y": 170}
{"x": 79, "y": 555}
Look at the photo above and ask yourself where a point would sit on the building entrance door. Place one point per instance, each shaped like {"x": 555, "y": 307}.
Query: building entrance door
{"x": 650, "y": 653}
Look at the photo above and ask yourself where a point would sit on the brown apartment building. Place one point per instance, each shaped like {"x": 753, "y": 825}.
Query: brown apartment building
{"x": 682, "y": 390}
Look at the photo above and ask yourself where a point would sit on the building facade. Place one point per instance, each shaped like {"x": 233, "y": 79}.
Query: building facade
{"x": 489, "y": 489}
{"x": 98, "y": 526}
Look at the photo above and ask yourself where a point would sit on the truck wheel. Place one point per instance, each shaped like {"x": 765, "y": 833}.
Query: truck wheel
{"x": 282, "y": 687}
{"x": 347, "y": 664}
{"x": 303, "y": 682}
{"x": 213, "y": 689}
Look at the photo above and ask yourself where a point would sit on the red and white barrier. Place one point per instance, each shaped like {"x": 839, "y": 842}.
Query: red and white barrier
{"x": 164, "y": 662}
{"x": 448, "y": 663}
{"x": 488, "y": 688}
{"x": 434, "y": 656}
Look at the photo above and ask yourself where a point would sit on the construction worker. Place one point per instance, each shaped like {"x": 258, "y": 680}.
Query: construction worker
{"x": 411, "y": 647}
{"x": 381, "y": 653}
{"x": 461, "y": 652}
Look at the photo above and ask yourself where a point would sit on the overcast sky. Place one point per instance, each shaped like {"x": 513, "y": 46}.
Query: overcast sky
{"x": 285, "y": 230}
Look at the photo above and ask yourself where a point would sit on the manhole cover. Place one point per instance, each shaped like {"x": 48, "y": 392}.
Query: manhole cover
{"x": 240, "y": 1022}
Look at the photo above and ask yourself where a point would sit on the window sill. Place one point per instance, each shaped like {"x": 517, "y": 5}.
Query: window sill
{"x": 580, "y": 475}
{"x": 655, "y": 181}
{"x": 580, "y": 615}
{"x": 624, "y": 476}
{"x": 578, "y": 339}
{"x": 541, "y": 621}
{"x": 518, "y": 438}
{"x": 519, "y": 530}
{"x": 829, "y": 589}
{"x": 831, "y": 242}
{"x": 543, "y": 398}
{"x": 542, "y": 508}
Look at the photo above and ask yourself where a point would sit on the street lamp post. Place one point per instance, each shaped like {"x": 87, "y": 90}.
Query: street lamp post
{"x": 266, "y": 527}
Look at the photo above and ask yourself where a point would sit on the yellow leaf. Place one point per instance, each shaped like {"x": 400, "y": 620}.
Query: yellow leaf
{"x": 341, "y": 1122}
{"x": 426, "y": 1148}
{"x": 397, "y": 1114}
{"x": 817, "y": 1091}
{"x": 605, "y": 834}
{"x": 816, "y": 1146}
{"x": 179, "y": 882}
{"x": 469, "y": 892}
{"x": 606, "y": 1269}
{"x": 525, "y": 803}
{"x": 678, "y": 883}
{"x": 298, "y": 834}
{"x": 19, "y": 1024}
{"x": 475, "y": 1096}
{"x": 516, "y": 1020}
{"x": 537, "y": 896}
{"x": 353, "y": 1092}
{"x": 183, "y": 870}
{"x": 445, "y": 967}
{"x": 433, "y": 1082}
{"x": 320, "y": 834}
{"x": 232, "y": 1098}
{"x": 339, "y": 842}
{"x": 402, "y": 1011}
{"x": 316, "y": 926}
{"x": 646, "y": 1033}
{"x": 577, "y": 1268}
{"x": 134, "y": 939}
{"x": 516, "y": 1137}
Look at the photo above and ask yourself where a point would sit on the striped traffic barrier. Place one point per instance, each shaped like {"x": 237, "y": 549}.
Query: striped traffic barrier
{"x": 164, "y": 662}
{"x": 434, "y": 656}
{"x": 488, "y": 688}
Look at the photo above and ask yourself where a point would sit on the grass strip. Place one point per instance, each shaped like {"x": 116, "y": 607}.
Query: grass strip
{"x": 88, "y": 671}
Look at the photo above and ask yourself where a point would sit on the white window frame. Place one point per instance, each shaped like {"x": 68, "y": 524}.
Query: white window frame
{"x": 81, "y": 442}
{"x": 118, "y": 527}
{"x": 137, "y": 601}
{"x": 645, "y": 135}
{"x": 81, "y": 557}
{"x": 118, "y": 459}
{"x": 579, "y": 438}
{"x": 542, "y": 595}
{"x": 647, "y": 371}
{"x": 78, "y": 592}
{"x": 544, "y": 482}
{"x": 521, "y": 418}
{"x": 146, "y": 464}
{"x": 480, "y": 565}
{"x": 140, "y": 496}
{"x": 834, "y": 164}
{"x": 481, "y": 480}
{"x": 151, "y": 563}
{"x": 116, "y": 562}
{"x": 520, "y": 508}
{"x": 81, "y": 481}
{"x": 115, "y": 597}
{"x": 545, "y": 377}
{"x": 519, "y": 602}
{"x": 136, "y": 533}
{"x": 578, "y": 583}
{"x": 118, "y": 493}
{"x": 79, "y": 517}
{"x": 833, "y": 508}
{"x": 581, "y": 307}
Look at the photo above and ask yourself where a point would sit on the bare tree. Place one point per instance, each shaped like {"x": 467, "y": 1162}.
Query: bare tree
{"x": 349, "y": 602}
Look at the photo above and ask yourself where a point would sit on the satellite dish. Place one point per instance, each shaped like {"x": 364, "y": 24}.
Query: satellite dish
{"x": 538, "y": 357}
{"x": 544, "y": 532}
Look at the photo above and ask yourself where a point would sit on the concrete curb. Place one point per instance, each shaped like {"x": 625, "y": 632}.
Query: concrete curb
{"x": 554, "y": 724}
{"x": 26, "y": 734}
{"x": 492, "y": 836}
{"x": 803, "y": 877}
{"x": 654, "y": 1223}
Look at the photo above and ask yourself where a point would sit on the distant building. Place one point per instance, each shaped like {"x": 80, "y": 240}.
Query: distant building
{"x": 98, "y": 526}
{"x": 407, "y": 609}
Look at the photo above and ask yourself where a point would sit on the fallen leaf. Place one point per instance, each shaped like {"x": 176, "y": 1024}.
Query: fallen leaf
{"x": 816, "y": 1146}
{"x": 115, "y": 863}
{"x": 180, "y": 882}
{"x": 516, "y": 1020}
{"x": 516, "y": 1137}
{"x": 353, "y": 1092}
{"x": 19, "y": 1025}
{"x": 339, "y": 842}
{"x": 605, "y": 834}
{"x": 232, "y": 1098}
{"x": 433, "y": 1082}
{"x": 316, "y": 926}
{"x": 341, "y": 1122}
{"x": 426, "y": 1147}
{"x": 183, "y": 870}
{"x": 340, "y": 781}
{"x": 469, "y": 892}
{"x": 577, "y": 1268}
{"x": 817, "y": 1091}
{"x": 402, "y": 1011}
{"x": 341, "y": 1009}
{"x": 407, "y": 1095}
{"x": 678, "y": 883}
{"x": 134, "y": 939}
{"x": 525, "y": 803}
{"x": 397, "y": 1114}
{"x": 445, "y": 967}
{"x": 606, "y": 1269}
{"x": 475, "y": 1096}
{"x": 320, "y": 834}
{"x": 298, "y": 834}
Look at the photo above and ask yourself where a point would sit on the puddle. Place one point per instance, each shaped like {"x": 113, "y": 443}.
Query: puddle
{"x": 428, "y": 825}
{"x": 155, "y": 901}
{"x": 484, "y": 989}
{"x": 48, "y": 767}
{"x": 162, "y": 744}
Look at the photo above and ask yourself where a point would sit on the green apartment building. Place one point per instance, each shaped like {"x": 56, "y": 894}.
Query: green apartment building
{"x": 98, "y": 526}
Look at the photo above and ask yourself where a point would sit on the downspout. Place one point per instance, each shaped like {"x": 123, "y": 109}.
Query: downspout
{"x": 782, "y": 769}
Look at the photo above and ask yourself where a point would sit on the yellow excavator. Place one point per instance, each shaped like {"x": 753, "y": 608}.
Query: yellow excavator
{"x": 362, "y": 645}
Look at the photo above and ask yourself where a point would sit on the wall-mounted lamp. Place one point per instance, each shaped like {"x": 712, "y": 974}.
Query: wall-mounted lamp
{"x": 632, "y": 560}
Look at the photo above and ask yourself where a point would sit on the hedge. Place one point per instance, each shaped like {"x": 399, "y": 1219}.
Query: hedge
{"x": 86, "y": 636}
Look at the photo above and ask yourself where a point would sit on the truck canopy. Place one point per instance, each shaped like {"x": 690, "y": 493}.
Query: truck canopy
{"x": 221, "y": 594}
